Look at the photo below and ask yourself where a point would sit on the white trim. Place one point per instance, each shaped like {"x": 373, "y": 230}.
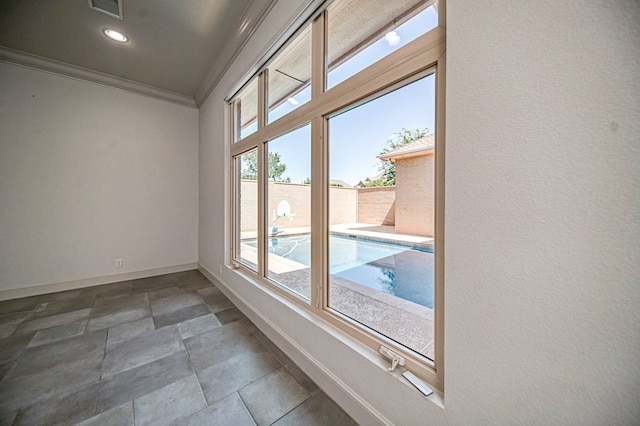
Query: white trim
{"x": 72, "y": 71}
{"x": 296, "y": 24}
{"x": 232, "y": 50}
{"x": 90, "y": 282}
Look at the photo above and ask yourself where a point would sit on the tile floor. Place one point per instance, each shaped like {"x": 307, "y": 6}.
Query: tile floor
{"x": 170, "y": 349}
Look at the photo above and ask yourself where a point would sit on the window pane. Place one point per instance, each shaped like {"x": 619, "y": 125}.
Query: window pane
{"x": 247, "y": 208}
{"x": 288, "y": 238}
{"x": 361, "y": 32}
{"x": 289, "y": 77}
{"x": 246, "y": 110}
{"x": 382, "y": 215}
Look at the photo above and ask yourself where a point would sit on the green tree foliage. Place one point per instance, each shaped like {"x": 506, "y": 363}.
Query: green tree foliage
{"x": 375, "y": 182}
{"x": 388, "y": 168}
{"x": 276, "y": 167}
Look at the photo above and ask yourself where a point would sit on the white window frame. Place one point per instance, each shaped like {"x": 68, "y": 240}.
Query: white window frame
{"x": 420, "y": 57}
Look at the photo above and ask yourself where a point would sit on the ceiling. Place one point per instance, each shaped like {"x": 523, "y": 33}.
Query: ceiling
{"x": 177, "y": 46}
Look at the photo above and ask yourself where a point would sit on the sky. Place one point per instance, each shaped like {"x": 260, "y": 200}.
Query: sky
{"x": 359, "y": 134}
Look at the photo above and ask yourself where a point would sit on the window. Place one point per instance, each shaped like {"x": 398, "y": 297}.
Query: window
{"x": 337, "y": 174}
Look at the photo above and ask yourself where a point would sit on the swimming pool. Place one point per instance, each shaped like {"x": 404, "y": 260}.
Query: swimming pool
{"x": 405, "y": 272}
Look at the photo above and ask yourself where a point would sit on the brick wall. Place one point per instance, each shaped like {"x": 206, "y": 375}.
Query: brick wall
{"x": 415, "y": 195}
{"x": 377, "y": 205}
{"x": 343, "y": 202}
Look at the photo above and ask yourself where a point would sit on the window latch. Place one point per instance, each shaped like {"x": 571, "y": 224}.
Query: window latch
{"x": 396, "y": 359}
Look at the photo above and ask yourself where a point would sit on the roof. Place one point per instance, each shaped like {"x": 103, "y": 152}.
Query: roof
{"x": 422, "y": 146}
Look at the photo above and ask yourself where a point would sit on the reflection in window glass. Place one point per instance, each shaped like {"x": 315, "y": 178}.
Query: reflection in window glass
{"x": 289, "y": 77}
{"x": 361, "y": 32}
{"x": 381, "y": 273}
{"x": 246, "y": 182}
{"x": 288, "y": 238}
{"x": 246, "y": 110}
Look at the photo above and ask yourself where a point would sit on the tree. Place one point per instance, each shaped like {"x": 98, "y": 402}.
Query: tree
{"x": 388, "y": 168}
{"x": 307, "y": 181}
{"x": 276, "y": 167}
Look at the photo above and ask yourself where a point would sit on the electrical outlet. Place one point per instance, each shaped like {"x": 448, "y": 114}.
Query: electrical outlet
{"x": 118, "y": 263}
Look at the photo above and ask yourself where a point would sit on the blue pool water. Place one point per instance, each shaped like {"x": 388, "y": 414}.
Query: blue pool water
{"x": 405, "y": 272}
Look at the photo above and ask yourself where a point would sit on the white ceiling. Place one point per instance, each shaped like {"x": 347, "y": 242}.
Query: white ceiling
{"x": 179, "y": 46}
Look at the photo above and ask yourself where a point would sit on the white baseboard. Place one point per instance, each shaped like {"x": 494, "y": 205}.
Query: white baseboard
{"x": 358, "y": 408}
{"x": 90, "y": 282}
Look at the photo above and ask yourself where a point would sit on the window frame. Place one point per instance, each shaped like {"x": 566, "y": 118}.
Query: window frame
{"x": 415, "y": 60}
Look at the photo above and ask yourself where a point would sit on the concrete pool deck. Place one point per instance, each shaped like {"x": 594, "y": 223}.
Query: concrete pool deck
{"x": 409, "y": 323}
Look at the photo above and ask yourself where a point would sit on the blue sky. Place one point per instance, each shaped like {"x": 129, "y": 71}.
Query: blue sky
{"x": 359, "y": 134}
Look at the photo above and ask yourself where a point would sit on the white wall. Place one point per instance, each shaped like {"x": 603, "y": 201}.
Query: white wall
{"x": 542, "y": 224}
{"x": 89, "y": 174}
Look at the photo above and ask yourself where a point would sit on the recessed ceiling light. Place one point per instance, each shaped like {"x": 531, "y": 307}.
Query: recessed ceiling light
{"x": 116, "y": 35}
{"x": 392, "y": 38}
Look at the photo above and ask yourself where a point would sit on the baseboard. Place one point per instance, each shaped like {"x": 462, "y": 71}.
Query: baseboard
{"x": 90, "y": 282}
{"x": 358, "y": 408}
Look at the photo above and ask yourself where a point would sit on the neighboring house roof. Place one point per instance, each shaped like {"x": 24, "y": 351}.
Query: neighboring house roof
{"x": 364, "y": 182}
{"x": 339, "y": 183}
{"x": 422, "y": 146}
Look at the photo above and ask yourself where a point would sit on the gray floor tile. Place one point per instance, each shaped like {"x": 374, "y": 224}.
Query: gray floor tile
{"x": 215, "y": 346}
{"x": 62, "y": 409}
{"x": 111, "y": 311}
{"x": 319, "y": 410}
{"x": 48, "y": 370}
{"x": 142, "y": 350}
{"x": 215, "y": 299}
{"x": 227, "y": 412}
{"x": 4, "y": 369}
{"x": 47, "y": 309}
{"x": 145, "y": 285}
{"x": 195, "y": 285}
{"x": 198, "y": 325}
{"x": 12, "y": 347}
{"x": 23, "y": 391}
{"x": 173, "y": 302}
{"x": 19, "y": 305}
{"x": 129, "y": 330}
{"x": 119, "y": 288}
{"x": 276, "y": 351}
{"x": 6, "y": 416}
{"x": 57, "y": 354}
{"x": 301, "y": 377}
{"x": 273, "y": 396}
{"x": 164, "y": 292}
{"x": 53, "y": 321}
{"x": 122, "y": 415}
{"x": 189, "y": 276}
{"x": 181, "y": 315}
{"x": 141, "y": 380}
{"x": 229, "y": 315}
{"x": 60, "y": 332}
{"x": 10, "y": 322}
{"x": 170, "y": 404}
{"x": 229, "y": 376}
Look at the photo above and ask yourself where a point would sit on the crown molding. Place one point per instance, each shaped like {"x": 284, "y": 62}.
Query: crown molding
{"x": 252, "y": 17}
{"x": 61, "y": 68}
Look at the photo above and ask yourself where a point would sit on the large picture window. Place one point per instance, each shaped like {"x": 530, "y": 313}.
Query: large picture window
{"x": 337, "y": 174}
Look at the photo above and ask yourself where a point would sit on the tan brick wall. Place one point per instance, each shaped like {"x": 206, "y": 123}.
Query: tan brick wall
{"x": 377, "y": 205}
{"x": 343, "y": 204}
{"x": 415, "y": 195}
